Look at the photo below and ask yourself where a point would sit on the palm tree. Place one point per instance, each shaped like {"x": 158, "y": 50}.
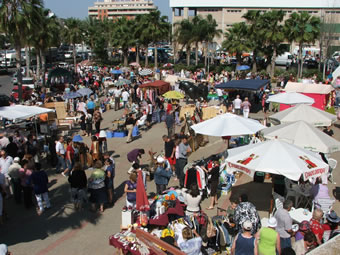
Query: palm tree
{"x": 157, "y": 29}
{"x": 183, "y": 36}
{"x": 237, "y": 40}
{"x": 273, "y": 33}
{"x": 46, "y": 37}
{"x": 17, "y": 18}
{"x": 211, "y": 32}
{"x": 303, "y": 29}
{"x": 122, "y": 36}
{"x": 255, "y": 21}
{"x": 197, "y": 33}
{"x": 73, "y": 34}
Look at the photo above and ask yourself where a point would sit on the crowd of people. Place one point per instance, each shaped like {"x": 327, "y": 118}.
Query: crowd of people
{"x": 22, "y": 173}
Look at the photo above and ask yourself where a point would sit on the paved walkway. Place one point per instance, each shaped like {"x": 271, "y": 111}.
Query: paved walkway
{"x": 61, "y": 230}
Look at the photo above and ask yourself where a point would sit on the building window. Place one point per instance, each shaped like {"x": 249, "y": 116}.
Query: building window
{"x": 234, "y": 11}
{"x": 178, "y": 12}
{"x": 192, "y": 12}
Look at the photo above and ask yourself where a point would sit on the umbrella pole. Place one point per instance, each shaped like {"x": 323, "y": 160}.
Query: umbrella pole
{"x": 36, "y": 128}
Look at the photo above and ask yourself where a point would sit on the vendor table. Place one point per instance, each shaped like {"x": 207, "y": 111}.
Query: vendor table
{"x": 300, "y": 214}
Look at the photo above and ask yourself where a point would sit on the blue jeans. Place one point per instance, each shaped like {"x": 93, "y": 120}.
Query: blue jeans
{"x": 61, "y": 164}
{"x": 285, "y": 242}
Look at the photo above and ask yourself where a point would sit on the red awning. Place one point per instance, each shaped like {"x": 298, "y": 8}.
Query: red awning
{"x": 160, "y": 85}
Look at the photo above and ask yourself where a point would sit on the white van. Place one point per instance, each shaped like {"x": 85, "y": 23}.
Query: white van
{"x": 10, "y": 59}
{"x": 284, "y": 59}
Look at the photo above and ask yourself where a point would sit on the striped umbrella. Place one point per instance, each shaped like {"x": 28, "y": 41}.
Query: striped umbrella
{"x": 145, "y": 72}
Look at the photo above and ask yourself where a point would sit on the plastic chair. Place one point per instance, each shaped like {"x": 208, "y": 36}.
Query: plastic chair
{"x": 332, "y": 165}
{"x": 290, "y": 192}
{"x": 325, "y": 204}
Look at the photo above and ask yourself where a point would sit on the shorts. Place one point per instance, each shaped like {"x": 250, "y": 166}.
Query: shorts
{"x": 172, "y": 161}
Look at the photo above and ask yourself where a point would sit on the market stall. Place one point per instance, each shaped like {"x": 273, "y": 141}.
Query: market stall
{"x": 321, "y": 93}
{"x": 247, "y": 84}
{"x": 151, "y": 90}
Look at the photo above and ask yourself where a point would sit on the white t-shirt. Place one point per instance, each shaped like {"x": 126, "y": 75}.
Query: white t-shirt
{"x": 59, "y": 148}
{"x": 117, "y": 92}
{"x": 237, "y": 103}
{"x": 5, "y": 164}
{"x": 219, "y": 92}
{"x": 125, "y": 96}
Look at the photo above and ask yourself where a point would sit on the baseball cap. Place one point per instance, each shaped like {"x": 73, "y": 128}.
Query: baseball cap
{"x": 16, "y": 159}
{"x": 247, "y": 225}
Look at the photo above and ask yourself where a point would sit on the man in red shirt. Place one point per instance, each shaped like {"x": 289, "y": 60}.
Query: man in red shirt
{"x": 316, "y": 226}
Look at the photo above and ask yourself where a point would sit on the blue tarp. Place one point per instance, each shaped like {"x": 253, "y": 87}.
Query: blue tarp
{"x": 248, "y": 84}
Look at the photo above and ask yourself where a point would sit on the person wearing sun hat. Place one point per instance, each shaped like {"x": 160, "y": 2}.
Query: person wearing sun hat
{"x": 269, "y": 239}
{"x": 331, "y": 226}
{"x": 162, "y": 175}
{"x": 245, "y": 242}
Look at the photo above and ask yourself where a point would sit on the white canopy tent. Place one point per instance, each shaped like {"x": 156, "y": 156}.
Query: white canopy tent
{"x": 21, "y": 112}
{"x": 228, "y": 125}
{"x": 290, "y": 98}
{"x": 304, "y": 135}
{"x": 277, "y": 157}
{"x": 307, "y": 113}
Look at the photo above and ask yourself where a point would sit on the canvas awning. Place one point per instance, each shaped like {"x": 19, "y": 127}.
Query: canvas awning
{"x": 247, "y": 84}
{"x": 162, "y": 86}
{"x": 21, "y": 112}
{"x": 308, "y": 88}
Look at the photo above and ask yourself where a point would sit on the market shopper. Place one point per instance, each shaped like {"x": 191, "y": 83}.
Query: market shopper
{"x": 237, "y": 105}
{"x": 214, "y": 175}
{"x": 316, "y": 226}
{"x": 39, "y": 181}
{"x": 192, "y": 200}
{"x": 183, "y": 150}
{"x": 245, "y": 107}
{"x": 269, "y": 239}
{"x": 97, "y": 119}
{"x": 192, "y": 242}
{"x": 284, "y": 223}
{"x": 14, "y": 174}
{"x": 130, "y": 122}
{"x": 109, "y": 178}
{"x": 78, "y": 182}
{"x": 69, "y": 157}
{"x": 169, "y": 150}
{"x": 162, "y": 175}
{"x": 304, "y": 245}
{"x": 170, "y": 123}
{"x": 96, "y": 185}
{"x": 60, "y": 150}
{"x": 134, "y": 155}
{"x": 244, "y": 242}
{"x": 25, "y": 173}
{"x": 246, "y": 211}
{"x": 130, "y": 189}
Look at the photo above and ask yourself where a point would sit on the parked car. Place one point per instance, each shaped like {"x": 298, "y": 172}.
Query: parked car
{"x": 26, "y": 92}
{"x": 28, "y": 82}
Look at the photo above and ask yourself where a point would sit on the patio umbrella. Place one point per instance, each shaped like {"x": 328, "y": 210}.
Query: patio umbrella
{"x": 228, "y": 125}
{"x": 142, "y": 202}
{"x": 168, "y": 65}
{"x": 85, "y": 91}
{"x": 291, "y": 98}
{"x": 116, "y": 72}
{"x": 307, "y": 113}
{"x": 77, "y": 139}
{"x": 122, "y": 82}
{"x": 145, "y": 72}
{"x": 304, "y": 135}
{"x": 276, "y": 157}
{"x": 134, "y": 64}
{"x": 242, "y": 68}
{"x": 72, "y": 95}
{"x": 173, "y": 95}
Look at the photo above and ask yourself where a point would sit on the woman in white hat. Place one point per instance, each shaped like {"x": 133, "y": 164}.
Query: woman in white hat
{"x": 269, "y": 239}
{"x": 162, "y": 175}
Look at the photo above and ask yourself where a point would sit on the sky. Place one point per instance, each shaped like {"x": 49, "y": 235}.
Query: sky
{"x": 78, "y": 8}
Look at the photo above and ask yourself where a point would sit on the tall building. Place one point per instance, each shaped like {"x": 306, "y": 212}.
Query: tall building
{"x": 113, "y": 9}
{"x": 228, "y": 12}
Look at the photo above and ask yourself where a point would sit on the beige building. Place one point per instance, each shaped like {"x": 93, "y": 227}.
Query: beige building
{"x": 113, "y": 9}
{"x": 228, "y": 12}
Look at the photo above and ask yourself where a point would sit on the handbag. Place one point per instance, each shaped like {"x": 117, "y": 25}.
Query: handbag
{"x": 211, "y": 231}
